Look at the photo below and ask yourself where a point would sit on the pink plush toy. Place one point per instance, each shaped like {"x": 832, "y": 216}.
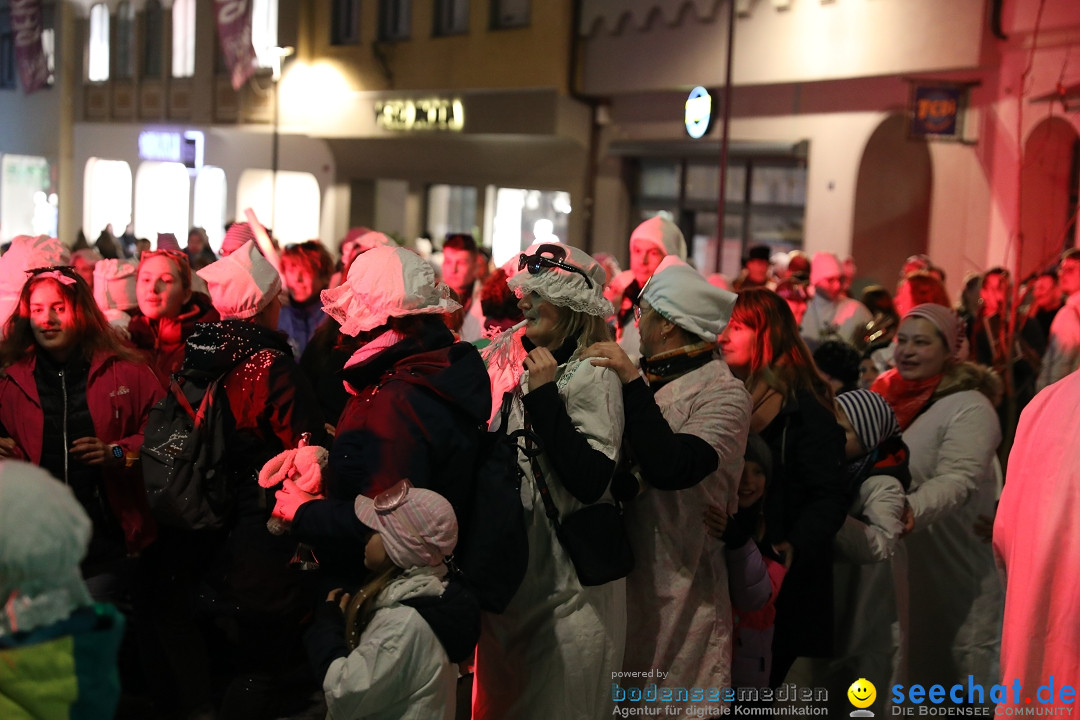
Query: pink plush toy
{"x": 303, "y": 466}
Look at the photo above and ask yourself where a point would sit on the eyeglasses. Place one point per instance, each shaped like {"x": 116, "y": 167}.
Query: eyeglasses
{"x": 539, "y": 260}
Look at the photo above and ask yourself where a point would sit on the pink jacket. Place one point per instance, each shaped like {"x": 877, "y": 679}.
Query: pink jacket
{"x": 119, "y": 394}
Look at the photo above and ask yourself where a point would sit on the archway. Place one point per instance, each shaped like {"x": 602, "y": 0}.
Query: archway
{"x": 892, "y": 203}
{"x": 1048, "y": 194}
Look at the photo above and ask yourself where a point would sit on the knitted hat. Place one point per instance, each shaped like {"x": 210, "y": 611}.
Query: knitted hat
{"x": 167, "y": 241}
{"x": 114, "y": 284}
{"x": 824, "y": 266}
{"x": 386, "y": 282}
{"x": 679, "y": 293}
{"x": 663, "y": 234}
{"x": 418, "y": 526}
{"x": 944, "y": 319}
{"x": 242, "y": 284}
{"x": 561, "y": 286}
{"x": 237, "y": 234}
{"x": 870, "y": 415}
{"x": 758, "y": 252}
{"x": 44, "y": 533}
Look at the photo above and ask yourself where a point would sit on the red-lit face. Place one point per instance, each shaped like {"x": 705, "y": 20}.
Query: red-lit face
{"x": 1046, "y": 293}
{"x": 757, "y": 271}
{"x": 459, "y": 269}
{"x": 829, "y": 288}
{"x": 992, "y": 293}
{"x": 52, "y": 320}
{"x": 737, "y": 347}
{"x": 159, "y": 288}
{"x": 1069, "y": 276}
{"x": 84, "y": 268}
{"x": 301, "y": 281}
{"x": 645, "y": 257}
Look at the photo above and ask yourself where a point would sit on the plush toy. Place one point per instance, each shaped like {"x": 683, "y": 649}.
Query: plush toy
{"x": 302, "y": 466}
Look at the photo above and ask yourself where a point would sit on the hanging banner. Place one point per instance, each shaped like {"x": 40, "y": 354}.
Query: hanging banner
{"x": 29, "y": 54}
{"x": 234, "y": 31}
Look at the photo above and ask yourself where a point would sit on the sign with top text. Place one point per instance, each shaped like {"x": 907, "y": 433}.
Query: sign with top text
{"x": 936, "y": 110}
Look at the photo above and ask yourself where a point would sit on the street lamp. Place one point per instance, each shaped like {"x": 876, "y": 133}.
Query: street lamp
{"x": 277, "y": 54}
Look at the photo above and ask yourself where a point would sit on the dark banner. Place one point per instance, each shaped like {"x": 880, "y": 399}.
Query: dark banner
{"x": 234, "y": 30}
{"x": 29, "y": 54}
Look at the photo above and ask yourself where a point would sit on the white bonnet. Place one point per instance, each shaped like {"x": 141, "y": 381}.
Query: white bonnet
{"x": 383, "y": 283}
{"x": 114, "y": 284}
{"x": 561, "y": 287}
{"x": 663, "y": 234}
{"x": 242, "y": 283}
{"x": 679, "y": 293}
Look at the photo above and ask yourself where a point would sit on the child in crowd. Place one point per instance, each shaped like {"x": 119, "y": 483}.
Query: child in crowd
{"x": 58, "y": 648}
{"x": 754, "y": 576}
{"x": 389, "y": 651}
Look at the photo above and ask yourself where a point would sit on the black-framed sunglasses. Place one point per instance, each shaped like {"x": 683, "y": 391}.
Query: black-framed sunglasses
{"x": 539, "y": 260}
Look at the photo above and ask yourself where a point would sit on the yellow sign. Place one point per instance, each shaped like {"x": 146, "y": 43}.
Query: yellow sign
{"x": 427, "y": 114}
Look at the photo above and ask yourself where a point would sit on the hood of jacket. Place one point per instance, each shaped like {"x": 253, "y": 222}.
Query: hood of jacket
{"x": 432, "y": 359}
{"x": 216, "y": 347}
{"x": 448, "y": 608}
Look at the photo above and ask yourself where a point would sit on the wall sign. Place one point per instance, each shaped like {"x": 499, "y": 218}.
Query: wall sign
{"x": 936, "y": 110}
{"x": 426, "y": 114}
{"x": 161, "y": 146}
{"x": 698, "y": 112}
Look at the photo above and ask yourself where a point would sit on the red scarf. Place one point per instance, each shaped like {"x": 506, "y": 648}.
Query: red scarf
{"x": 907, "y": 398}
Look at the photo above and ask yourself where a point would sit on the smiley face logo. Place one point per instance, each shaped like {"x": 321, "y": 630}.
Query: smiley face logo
{"x": 862, "y": 693}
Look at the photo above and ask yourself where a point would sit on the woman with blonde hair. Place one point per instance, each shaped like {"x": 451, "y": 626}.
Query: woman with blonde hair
{"x": 807, "y": 500}
{"x": 552, "y": 651}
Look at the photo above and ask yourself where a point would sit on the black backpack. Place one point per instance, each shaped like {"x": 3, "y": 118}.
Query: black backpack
{"x": 493, "y": 552}
{"x": 183, "y": 452}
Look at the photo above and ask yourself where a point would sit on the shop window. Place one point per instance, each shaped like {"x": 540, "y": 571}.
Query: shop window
{"x": 345, "y": 22}
{"x": 509, "y": 14}
{"x": 106, "y": 196}
{"x": 27, "y": 197}
{"x": 98, "y": 61}
{"x": 451, "y": 17}
{"x": 125, "y": 40}
{"x": 153, "y": 40}
{"x": 451, "y": 209}
{"x": 523, "y": 217}
{"x": 162, "y": 196}
{"x": 211, "y": 194}
{"x": 292, "y": 212}
{"x": 765, "y": 204}
{"x": 395, "y": 19}
{"x": 183, "y": 38}
{"x": 264, "y": 31}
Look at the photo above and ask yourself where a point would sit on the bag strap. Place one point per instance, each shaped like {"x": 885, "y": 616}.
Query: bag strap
{"x": 533, "y": 453}
{"x": 207, "y": 402}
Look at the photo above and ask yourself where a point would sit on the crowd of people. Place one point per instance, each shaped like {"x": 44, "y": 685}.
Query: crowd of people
{"x": 806, "y": 481}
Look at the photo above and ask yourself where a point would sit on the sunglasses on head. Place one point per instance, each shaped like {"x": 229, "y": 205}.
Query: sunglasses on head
{"x": 551, "y": 256}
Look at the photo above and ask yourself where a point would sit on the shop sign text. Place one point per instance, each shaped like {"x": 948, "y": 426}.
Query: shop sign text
{"x": 420, "y": 115}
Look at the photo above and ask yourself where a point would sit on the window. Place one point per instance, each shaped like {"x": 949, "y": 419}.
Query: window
{"x": 183, "y": 38}
{"x": 509, "y": 14}
{"x": 98, "y": 62}
{"x": 106, "y": 195}
{"x": 345, "y": 23}
{"x": 211, "y": 194}
{"x": 264, "y": 32}
{"x": 292, "y": 211}
{"x": 395, "y": 19}
{"x": 162, "y": 194}
{"x": 451, "y": 17}
{"x": 125, "y": 40}
{"x": 153, "y": 41}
